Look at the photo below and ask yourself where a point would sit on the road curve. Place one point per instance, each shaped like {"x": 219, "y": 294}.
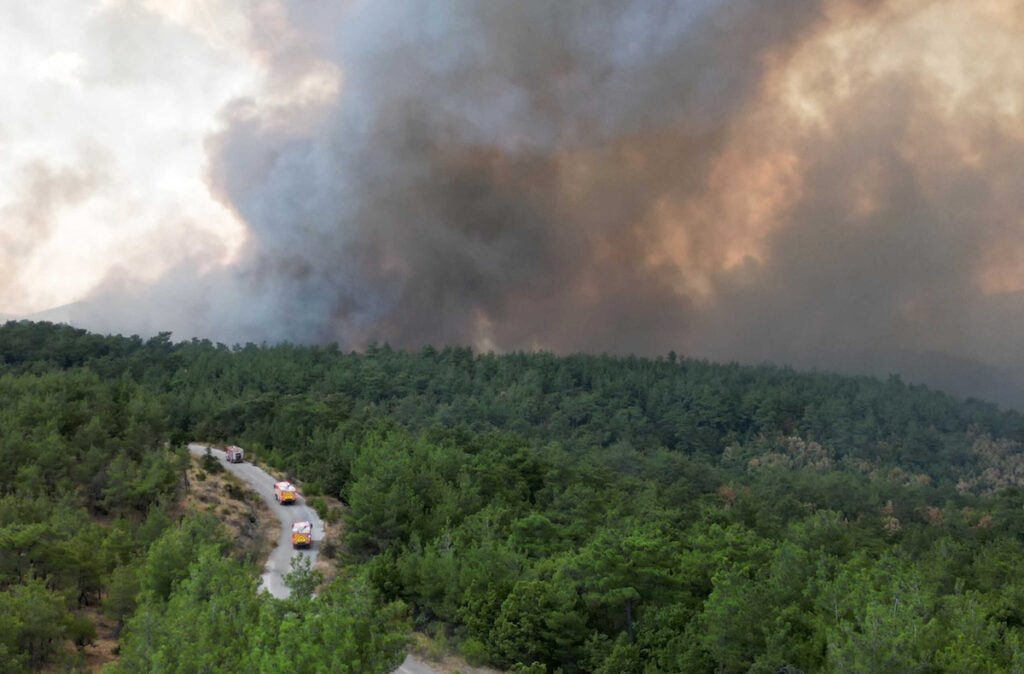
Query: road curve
{"x": 279, "y": 562}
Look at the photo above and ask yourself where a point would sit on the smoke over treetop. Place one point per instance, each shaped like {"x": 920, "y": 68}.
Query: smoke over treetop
{"x": 502, "y": 166}
{"x": 813, "y": 181}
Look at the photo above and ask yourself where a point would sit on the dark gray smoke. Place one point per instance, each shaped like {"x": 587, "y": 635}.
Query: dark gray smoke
{"x": 488, "y": 171}
{"x": 574, "y": 175}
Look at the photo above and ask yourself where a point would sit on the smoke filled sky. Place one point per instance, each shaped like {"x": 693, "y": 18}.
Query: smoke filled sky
{"x": 827, "y": 183}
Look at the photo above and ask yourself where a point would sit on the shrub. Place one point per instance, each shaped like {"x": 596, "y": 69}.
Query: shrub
{"x": 211, "y": 465}
{"x": 81, "y": 630}
{"x": 318, "y": 504}
{"x": 474, "y": 651}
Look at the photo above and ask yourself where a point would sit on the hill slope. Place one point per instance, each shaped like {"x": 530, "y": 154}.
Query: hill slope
{"x": 600, "y": 514}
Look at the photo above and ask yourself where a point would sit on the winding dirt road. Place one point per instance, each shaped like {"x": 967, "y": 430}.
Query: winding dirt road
{"x": 279, "y": 562}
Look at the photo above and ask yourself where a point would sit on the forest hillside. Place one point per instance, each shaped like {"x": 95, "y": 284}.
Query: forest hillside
{"x": 536, "y": 513}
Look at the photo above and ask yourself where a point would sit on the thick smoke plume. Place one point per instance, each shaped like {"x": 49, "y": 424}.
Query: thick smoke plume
{"x": 830, "y": 183}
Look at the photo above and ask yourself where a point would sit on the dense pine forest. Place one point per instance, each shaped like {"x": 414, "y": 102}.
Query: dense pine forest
{"x": 535, "y": 513}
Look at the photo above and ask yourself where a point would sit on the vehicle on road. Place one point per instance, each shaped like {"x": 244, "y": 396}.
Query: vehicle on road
{"x": 285, "y": 492}
{"x": 234, "y": 454}
{"x": 302, "y": 534}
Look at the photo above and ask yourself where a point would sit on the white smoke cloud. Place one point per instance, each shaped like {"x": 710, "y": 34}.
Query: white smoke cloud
{"x": 119, "y": 97}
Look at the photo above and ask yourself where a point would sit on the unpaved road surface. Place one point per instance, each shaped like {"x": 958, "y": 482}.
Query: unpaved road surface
{"x": 279, "y": 562}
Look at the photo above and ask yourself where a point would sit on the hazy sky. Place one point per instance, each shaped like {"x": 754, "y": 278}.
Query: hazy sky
{"x": 106, "y": 107}
{"x": 831, "y": 183}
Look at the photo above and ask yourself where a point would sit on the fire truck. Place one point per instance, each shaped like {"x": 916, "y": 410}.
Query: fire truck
{"x": 302, "y": 534}
{"x": 234, "y": 454}
{"x": 285, "y": 492}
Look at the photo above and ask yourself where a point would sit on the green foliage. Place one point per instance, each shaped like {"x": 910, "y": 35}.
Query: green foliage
{"x": 199, "y": 624}
{"x": 34, "y": 623}
{"x": 122, "y": 590}
{"x": 573, "y": 514}
{"x": 318, "y": 504}
{"x": 532, "y": 668}
{"x": 215, "y": 621}
{"x": 538, "y": 622}
{"x": 211, "y": 464}
{"x": 234, "y": 491}
{"x": 302, "y": 580}
{"x": 474, "y": 651}
{"x": 81, "y": 631}
{"x": 168, "y": 559}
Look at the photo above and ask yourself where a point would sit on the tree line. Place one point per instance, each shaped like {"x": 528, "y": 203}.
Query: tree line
{"x": 539, "y": 513}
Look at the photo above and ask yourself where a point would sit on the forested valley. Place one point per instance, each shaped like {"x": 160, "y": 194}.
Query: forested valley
{"x": 535, "y": 513}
